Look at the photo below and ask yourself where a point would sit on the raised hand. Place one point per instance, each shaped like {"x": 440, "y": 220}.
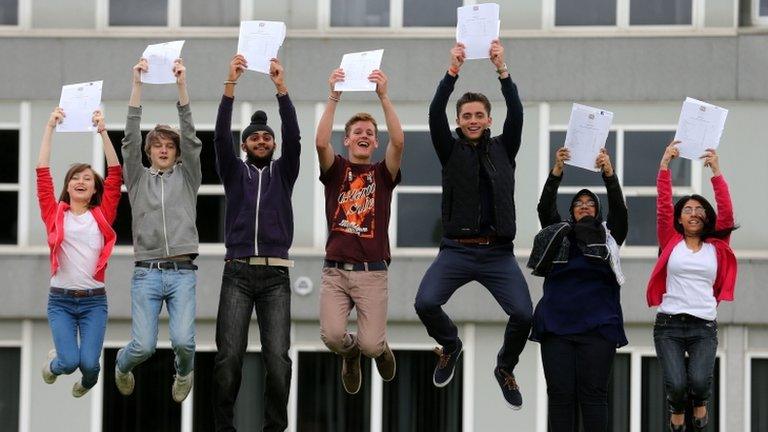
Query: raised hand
{"x": 670, "y": 153}
{"x": 57, "y": 116}
{"x": 277, "y": 75}
{"x": 381, "y": 80}
{"x": 604, "y": 163}
{"x": 237, "y": 66}
{"x": 712, "y": 161}
{"x": 458, "y": 55}
{"x": 497, "y": 54}
{"x": 98, "y": 121}
{"x": 180, "y": 71}
{"x": 562, "y": 155}
{"x": 138, "y": 68}
{"x": 337, "y": 75}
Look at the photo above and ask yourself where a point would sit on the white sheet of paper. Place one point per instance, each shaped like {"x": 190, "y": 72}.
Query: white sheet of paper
{"x": 357, "y": 67}
{"x": 586, "y": 135}
{"x": 259, "y": 42}
{"x": 699, "y": 128}
{"x": 476, "y": 27}
{"x": 79, "y": 101}
{"x": 160, "y": 58}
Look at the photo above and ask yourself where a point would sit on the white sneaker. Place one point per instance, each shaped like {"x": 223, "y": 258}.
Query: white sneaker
{"x": 78, "y": 390}
{"x": 48, "y": 376}
{"x": 181, "y": 386}
{"x": 124, "y": 382}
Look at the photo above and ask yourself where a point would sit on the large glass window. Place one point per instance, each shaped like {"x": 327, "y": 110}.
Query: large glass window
{"x": 430, "y": 13}
{"x": 10, "y": 364}
{"x": 412, "y": 403}
{"x": 9, "y": 12}
{"x": 654, "y": 410}
{"x": 619, "y": 394}
{"x": 360, "y": 13}
{"x": 585, "y": 12}
{"x": 204, "y": 13}
{"x": 641, "y": 150}
{"x": 138, "y": 12}
{"x": 763, "y": 12}
{"x": 759, "y": 395}
{"x": 9, "y": 186}
{"x": 323, "y": 405}
{"x": 150, "y": 407}
{"x": 660, "y": 12}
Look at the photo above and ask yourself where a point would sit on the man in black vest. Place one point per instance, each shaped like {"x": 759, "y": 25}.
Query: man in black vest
{"x": 478, "y": 221}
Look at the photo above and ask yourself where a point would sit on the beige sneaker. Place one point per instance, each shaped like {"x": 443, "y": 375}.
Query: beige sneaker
{"x": 78, "y": 390}
{"x": 351, "y": 376}
{"x": 124, "y": 382}
{"x": 181, "y": 386}
{"x": 48, "y": 376}
{"x": 385, "y": 363}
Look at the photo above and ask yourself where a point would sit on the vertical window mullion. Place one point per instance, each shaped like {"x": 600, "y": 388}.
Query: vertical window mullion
{"x": 174, "y": 13}
{"x": 396, "y": 13}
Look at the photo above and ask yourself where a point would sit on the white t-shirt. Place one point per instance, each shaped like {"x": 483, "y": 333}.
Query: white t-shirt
{"x": 79, "y": 253}
{"x": 690, "y": 278}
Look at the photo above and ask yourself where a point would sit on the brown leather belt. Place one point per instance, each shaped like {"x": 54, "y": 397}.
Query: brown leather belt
{"x": 79, "y": 292}
{"x": 479, "y": 241}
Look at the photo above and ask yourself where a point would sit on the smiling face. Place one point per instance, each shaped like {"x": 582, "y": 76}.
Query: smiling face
{"x": 259, "y": 145}
{"x": 82, "y": 186}
{"x": 473, "y": 120}
{"x": 584, "y": 205}
{"x": 361, "y": 141}
{"x": 692, "y": 218}
{"x": 162, "y": 153}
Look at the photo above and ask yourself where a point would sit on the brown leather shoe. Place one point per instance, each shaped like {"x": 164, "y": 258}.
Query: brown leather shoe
{"x": 351, "y": 376}
{"x": 386, "y": 365}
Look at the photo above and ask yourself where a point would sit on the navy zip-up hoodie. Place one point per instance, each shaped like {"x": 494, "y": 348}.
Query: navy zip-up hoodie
{"x": 259, "y": 215}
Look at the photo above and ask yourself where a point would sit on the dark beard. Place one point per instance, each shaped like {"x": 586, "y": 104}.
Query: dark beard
{"x": 260, "y": 162}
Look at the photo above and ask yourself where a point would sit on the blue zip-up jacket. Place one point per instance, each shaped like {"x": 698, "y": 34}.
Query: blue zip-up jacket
{"x": 259, "y": 215}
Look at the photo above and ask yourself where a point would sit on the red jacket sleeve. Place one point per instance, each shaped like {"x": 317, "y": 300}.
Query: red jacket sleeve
{"x": 45, "y": 195}
{"x": 665, "y": 210}
{"x": 111, "y": 197}
{"x": 724, "y": 205}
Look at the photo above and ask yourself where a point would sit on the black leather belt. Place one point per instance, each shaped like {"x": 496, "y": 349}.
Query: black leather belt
{"x": 364, "y": 266}
{"x": 79, "y": 292}
{"x": 482, "y": 240}
{"x": 167, "y": 265}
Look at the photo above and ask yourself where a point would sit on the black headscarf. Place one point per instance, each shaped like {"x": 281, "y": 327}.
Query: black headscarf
{"x": 589, "y": 230}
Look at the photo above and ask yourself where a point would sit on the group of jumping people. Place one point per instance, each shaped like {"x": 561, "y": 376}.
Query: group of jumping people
{"x": 578, "y": 321}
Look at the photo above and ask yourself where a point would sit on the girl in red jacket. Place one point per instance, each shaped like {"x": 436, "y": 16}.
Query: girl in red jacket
{"x": 80, "y": 237}
{"x": 695, "y": 271}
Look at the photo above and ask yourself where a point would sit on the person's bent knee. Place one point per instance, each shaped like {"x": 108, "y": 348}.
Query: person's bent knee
{"x": 67, "y": 365}
{"x": 425, "y": 306}
{"x": 371, "y": 349}
{"x": 90, "y": 367}
{"x": 334, "y": 340}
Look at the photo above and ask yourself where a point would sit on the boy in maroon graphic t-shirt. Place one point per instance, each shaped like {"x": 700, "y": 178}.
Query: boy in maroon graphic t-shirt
{"x": 357, "y": 202}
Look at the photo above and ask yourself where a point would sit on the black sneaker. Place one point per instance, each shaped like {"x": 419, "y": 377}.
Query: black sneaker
{"x": 678, "y": 428}
{"x": 699, "y": 424}
{"x": 509, "y": 388}
{"x": 446, "y": 364}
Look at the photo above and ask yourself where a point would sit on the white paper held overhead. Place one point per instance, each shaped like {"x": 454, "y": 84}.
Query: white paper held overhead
{"x": 160, "y": 58}
{"x": 476, "y": 27}
{"x": 700, "y": 127}
{"x": 79, "y": 101}
{"x": 587, "y": 131}
{"x": 357, "y": 67}
{"x": 259, "y": 42}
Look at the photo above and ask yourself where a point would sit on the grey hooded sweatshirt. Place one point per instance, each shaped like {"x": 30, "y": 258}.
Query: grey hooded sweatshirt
{"x": 163, "y": 205}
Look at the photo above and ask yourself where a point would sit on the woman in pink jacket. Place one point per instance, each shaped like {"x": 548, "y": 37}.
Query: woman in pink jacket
{"x": 695, "y": 271}
{"x": 80, "y": 237}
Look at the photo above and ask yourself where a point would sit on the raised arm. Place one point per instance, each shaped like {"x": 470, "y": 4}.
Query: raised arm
{"x": 547, "y": 207}
{"x": 617, "y": 217}
{"x": 289, "y": 124}
{"x": 132, "y": 143}
{"x": 325, "y": 153}
{"x": 109, "y": 149}
{"x": 190, "y": 143}
{"x": 111, "y": 197}
{"x": 226, "y": 156}
{"x": 141, "y": 66}
{"x": 725, "y": 217}
{"x": 513, "y": 123}
{"x": 44, "y": 157}
{"x": 45, "y": 193}
{"x": 439, "y": 128}
{"x": 394, "y": 152}
{"x": 665, "y": 211}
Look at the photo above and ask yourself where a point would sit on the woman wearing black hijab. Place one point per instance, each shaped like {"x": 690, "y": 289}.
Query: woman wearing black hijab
{"x": 578, "y": 320}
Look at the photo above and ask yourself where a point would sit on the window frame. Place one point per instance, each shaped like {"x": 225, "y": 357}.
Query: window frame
{"x": 173, "y": 21}
{"x": 24, "y": 345}
{"x": 623, "y": 21}
{"x": 749, "y": 355}
{"x": 24, "y": 184}
{"x": 620, "y": 129}
{"x": 396, "y": 8}
{"x": 757, "y": 19}
{"x": 23, "y": 16}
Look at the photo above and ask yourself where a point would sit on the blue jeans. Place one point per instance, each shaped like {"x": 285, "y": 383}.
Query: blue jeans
{"x": 496, "y": 269}
{"x": 149, "y": 288}
{"x": 674, "y": 335}
{"x": 268, "y": 290}
{"x": 69, "y": 316}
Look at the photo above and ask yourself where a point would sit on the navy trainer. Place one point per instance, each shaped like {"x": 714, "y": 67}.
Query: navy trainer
{"x": 509, "y": 388}
{"x": 446, "y": 364}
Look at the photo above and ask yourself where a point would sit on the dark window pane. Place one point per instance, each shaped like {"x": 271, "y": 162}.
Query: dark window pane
{"x": 419, "y": 222}
{"x": 619, "y": 394}
{"x": 116, "y": 136}
{"x": 210, "y": 218}
{"x": 430, "y": 13}
{"x": 420, "y": 165}
{"x": 759, "y": 392}
{"x": 323, "y": 405}
{"x": 642, "y": 220}
{"x": 642, "y": 152}
{"x": 360, "y": 13}
{"x": 150, "y": 407}
{"x": 208, "y": 155}
{"x": 660, "y": 12}
{"x": 654, "y": 408}
{"x": 574, "y": 176}
{"x": 9, "y": 12}
{"x": 413, "y": 403}
{"x": 10, "y": 364}
{"x": 585, "y": 12}
{"x": 122, "y": 224}
{"x": 337, "y": 141}
{"x": 220, "y": 13}
{"x": 249, "y": 407}
{"x": 138, "y": 12}
{"x": 763, "y": 8}
{"x": 9, "y": 202}
{"x": 9, "y": 156}
{"x": 564, "y": 204}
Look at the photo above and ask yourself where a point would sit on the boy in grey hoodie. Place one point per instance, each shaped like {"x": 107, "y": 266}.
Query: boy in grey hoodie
{"x": 163, "y": 201}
